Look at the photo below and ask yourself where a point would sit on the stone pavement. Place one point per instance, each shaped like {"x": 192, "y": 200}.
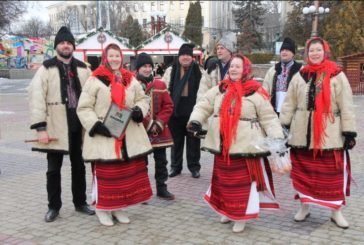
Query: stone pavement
{"x": 186, "y": 220}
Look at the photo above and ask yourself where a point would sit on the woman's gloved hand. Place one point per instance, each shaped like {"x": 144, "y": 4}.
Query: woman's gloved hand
{"x": 194, "y": 128}
{"x": 101, "y": 129}
{"x": 137, "y": 114}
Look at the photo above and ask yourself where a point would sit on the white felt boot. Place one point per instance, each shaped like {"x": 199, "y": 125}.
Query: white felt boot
{"x": 303, "y": 213}
{"x": 338, "y": 218}
{"x": 121, "y": 216}
{"x": 239, "y": 226}
{"x": 224, "y": 220}
{"x": 105, "y": 217}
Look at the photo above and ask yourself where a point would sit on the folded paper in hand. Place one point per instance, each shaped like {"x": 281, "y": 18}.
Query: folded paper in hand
{"x": 117, "y": 120}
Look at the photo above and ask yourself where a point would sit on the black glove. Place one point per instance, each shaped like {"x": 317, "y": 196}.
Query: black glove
{"x": 194, "y": 129}
{"x": 101, "y": 129}
{"x": 349, "y": 142}
{"x": 137, "y": 114}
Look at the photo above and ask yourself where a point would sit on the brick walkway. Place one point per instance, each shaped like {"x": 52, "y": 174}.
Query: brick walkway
{"x": 187, "y": 220}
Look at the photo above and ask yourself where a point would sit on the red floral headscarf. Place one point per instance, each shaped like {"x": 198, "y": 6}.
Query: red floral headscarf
{"x": 324, "y": 72}
{"x": 230, "y": 111}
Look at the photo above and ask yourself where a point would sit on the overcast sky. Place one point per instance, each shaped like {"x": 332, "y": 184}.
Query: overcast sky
{"x": 38, "y": 9}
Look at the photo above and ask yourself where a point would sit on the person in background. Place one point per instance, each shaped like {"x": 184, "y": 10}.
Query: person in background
{"x": 241, "y": 116}
{"x": 224, "y": 51}
{"x": 156, "y": 121}
{"x": 210, "y": 63}
{"x": 183, "y": 79}
{"x": 120, "y": 175}
{"x": 318, "y": 110}
{"x": 53, "y": 97}
{"x": 278, "y": 77}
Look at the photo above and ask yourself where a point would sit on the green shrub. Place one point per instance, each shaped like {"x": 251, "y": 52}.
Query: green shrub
{"x": 260, "y": 58}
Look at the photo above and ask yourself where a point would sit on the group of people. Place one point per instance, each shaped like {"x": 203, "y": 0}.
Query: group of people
{"x": 69, "y": 103}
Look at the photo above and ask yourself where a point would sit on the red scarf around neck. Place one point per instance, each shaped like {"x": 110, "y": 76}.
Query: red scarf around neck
{"x": 119, "y": 83}
{"x": 230, "y": 111}
{"x": 323, "y": 112}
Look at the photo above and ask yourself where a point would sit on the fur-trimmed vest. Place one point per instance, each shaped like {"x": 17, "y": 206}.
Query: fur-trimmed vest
{"x": 270, "y": 80}
{"x": 48, "y": 100}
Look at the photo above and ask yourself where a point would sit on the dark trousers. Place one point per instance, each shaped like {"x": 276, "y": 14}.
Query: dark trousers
{"x": 161, "y": 172}
{"x": 177, "y": 125}
{"x": 77, "y": 171}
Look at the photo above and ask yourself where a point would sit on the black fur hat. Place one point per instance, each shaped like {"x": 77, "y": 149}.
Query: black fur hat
{"x": 186, "y": 48}
{"x": 289, "y": 45}
{"x": 64, "y": 34}
{"x": 142, "y": 59}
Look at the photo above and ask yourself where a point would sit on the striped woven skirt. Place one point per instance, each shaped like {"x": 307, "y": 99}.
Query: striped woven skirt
{"x": 239, "y": 189}
{"x": 325, "y": 180}
{"x": 119, "y": 185}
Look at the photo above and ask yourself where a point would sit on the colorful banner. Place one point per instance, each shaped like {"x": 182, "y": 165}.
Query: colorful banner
{"x": 24, "y": 53}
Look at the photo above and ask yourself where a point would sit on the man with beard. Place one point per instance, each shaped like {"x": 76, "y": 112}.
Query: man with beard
{"x": 53, "y": 95}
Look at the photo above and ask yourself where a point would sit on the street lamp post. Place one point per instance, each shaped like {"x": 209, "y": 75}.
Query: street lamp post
{"x": 315, "y": 11}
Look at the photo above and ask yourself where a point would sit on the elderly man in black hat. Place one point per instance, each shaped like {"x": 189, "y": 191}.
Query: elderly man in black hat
{"x": 53, "y": 95}
{"x": 183, "y": 79}
{"x": 277, "y": 79}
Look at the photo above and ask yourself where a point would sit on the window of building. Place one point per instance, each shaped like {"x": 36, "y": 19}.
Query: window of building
{"x": 161, "y": 6}
{"x": 181, "y": 5}
{"x": 181, "y": 21}
{"x": 153, "y": 6}
{"x": 136, "y": 7}
{"x": 144, "y": 23}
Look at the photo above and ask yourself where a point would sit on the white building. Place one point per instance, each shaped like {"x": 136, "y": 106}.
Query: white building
{"x": 217, "y": 16}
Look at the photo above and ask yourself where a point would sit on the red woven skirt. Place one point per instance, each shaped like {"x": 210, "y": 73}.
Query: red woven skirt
{"x": 118, "y": 185}
{"x": 234, "y": 191}
{"x": 325, "y": 180}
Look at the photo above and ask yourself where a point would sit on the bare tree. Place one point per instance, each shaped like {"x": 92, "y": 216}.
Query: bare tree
{"x": 10, "y": 11}
{"x": 66, "y": 17}
{"x": 34, "y": 28}
{"x": 118, "y": 14}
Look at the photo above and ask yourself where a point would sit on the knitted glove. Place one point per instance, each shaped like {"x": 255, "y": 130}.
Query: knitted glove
{"x": 137, "y": 114}
{"x": 101, "y": 129}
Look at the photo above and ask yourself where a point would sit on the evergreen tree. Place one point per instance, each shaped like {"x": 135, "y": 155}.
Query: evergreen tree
{"x": 342, "y": 27}
{"x": 298, "y": 26}
{"x": 248, "y": 17}
{"x": 194, "y": 23}
{"x": 132, "y": 30}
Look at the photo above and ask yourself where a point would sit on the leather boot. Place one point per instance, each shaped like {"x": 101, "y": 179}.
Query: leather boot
{"x": 163, "y": 193}
{"x": 105, "y": 217}
{"x": 239, "y": 226}
{"x": 121, "y": 216}
{"x": 303, "y": 213}
{"x": 338, "y": 218}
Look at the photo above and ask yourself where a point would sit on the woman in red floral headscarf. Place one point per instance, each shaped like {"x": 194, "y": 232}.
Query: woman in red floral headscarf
{"x": 241, "y": 117}
{"x": 319, "y": 111}
{"x": 120, "y": 177}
